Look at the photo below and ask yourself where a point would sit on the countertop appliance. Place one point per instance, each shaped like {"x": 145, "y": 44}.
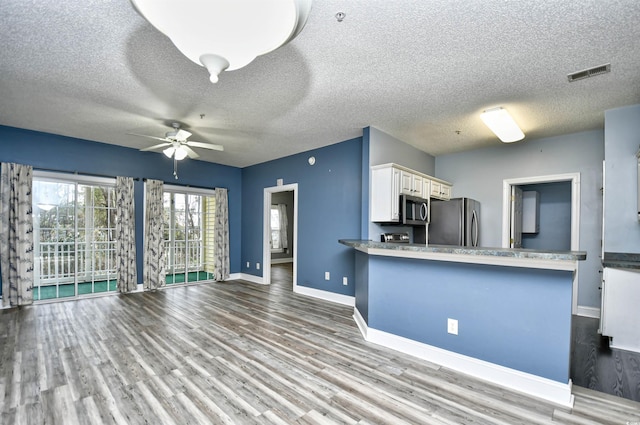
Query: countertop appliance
{"x": 455, "y": 222}
{"x": 395, "y": 237}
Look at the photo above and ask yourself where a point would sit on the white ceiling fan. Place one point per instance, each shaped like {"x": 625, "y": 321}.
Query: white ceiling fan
{"x": 175, "y": 145}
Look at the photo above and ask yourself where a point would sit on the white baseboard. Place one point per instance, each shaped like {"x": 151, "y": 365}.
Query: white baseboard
{"x": 325, "y": 295}
{"x": 527, "y": 383}
{"x": 248, "y": 277}
{"x": 281, "y": 260}
{"x": 588, "y": 311}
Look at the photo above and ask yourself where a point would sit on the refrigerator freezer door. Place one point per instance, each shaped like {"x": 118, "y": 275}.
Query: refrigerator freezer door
{"x": 447, "y": 226}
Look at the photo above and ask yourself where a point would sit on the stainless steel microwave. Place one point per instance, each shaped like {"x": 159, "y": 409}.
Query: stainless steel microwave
{"x": 414, "y": 211}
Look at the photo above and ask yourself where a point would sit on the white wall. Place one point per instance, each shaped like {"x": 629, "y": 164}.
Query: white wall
{"x": 479, "y": 174}
{"x": 621, "y": 142}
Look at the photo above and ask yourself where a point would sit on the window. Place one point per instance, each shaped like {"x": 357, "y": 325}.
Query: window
{"x": 279, "y": 242}
{"x": 276, "y": 245}
{"x": 74, "y": 230}
{"x": 189, "y": 218}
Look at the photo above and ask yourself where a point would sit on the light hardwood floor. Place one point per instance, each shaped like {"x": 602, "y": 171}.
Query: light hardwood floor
{"x": 240, "y": 353}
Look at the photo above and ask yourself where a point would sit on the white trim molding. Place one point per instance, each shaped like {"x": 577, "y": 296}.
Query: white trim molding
{"x": 325, "y": 295}
{"x": 586, "y": 311}
{"x": 248, "y": 277}
{"x": 533, "y": 385}
{"x": 282, "y": 260}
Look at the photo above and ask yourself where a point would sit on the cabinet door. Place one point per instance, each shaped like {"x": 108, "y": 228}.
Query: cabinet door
{"x": 445, "y": 191}
{"x": 435, "y": 189}
{"x": 406, "y": 184}
{"x": 426, "y": 188}
{"x": 416, "y": 185}
{"x": 385, "y": 195}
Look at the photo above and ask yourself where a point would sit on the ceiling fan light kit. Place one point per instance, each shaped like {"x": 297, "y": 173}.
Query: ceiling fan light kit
{"x": 502, "y": 124}
{"x": 225, "y": 35}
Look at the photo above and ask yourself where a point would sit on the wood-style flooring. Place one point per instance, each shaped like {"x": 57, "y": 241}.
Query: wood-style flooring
{"x": 596, "y": 366}
{"x": 241, "y": 353}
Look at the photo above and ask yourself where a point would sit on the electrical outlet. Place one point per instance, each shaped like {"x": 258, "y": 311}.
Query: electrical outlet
{"x": 248, "y": 264}
{"x": 345, "y": 281}
{"x": 452, "y": 326}
{"x": 327, "y": 276}
{"x": 258, "y": 266}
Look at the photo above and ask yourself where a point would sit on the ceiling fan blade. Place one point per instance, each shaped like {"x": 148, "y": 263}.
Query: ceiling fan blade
{"x": 205, "y": 145}
{"x": 190, "y": 152}
{"x": 149, "y": 137}
{"x": 182, "y": 134}
{"x": 154, "y": 147}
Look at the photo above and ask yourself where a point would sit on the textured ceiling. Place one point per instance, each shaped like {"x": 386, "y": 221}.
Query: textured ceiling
{"x": 420, "y": 70}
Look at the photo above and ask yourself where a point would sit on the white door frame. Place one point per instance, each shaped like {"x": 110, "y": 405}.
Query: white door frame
{"x": 574, "y": 178}
{"x": 266, "y": 248}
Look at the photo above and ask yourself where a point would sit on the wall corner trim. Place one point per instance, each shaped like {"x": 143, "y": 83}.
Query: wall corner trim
{"x": 248, "y": 277}
{"x": 536, "y": 386}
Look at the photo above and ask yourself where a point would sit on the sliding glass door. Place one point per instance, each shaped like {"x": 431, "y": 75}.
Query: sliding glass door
{"x": 74, "y": 230}
{"x": 188, "y": 233}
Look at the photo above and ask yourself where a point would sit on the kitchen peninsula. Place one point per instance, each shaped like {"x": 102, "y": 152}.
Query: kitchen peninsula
{"x": 503, "y": 315}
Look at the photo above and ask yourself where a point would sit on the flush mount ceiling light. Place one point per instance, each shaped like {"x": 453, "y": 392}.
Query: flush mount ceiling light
{"x": 226, "y": 34}
{"x": 500, "y": 122}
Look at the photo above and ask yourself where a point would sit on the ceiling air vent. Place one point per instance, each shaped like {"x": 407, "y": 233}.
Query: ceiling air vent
{"x": 591, "y": 72}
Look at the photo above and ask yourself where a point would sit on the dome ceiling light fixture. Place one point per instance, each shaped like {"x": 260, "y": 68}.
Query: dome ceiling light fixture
{"x": 225, "y": 35}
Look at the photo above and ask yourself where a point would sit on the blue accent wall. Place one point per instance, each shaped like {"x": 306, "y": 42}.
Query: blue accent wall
{"x": 329, "y": 208}
{"x": 515, "y": 317}
{"x": 554, "y": 217}
{"x": 65, "y": 154}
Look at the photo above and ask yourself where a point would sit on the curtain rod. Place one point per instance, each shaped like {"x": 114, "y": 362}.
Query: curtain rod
{"x": 78, "y": 173}
{"x": 187, "y": 185}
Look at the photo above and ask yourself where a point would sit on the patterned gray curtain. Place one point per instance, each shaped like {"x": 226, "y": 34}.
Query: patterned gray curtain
{"x": 154, "y": 250}
{"x": 221, "y": 236}
{"x": 16, "y": 234}
{"x": 125, "y": 236}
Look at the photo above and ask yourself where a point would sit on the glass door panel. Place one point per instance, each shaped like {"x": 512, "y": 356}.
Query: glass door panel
{"x": 188, "y": 224}
{"x": 54, "y": 240}
{"x": 74, "y": 230}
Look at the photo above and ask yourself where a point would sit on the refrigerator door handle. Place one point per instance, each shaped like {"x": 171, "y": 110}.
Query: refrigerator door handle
{"x": 461, "y": 235}
{"x": 474, "y": 221}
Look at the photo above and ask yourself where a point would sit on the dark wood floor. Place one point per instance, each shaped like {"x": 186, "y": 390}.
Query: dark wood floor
{"x": 596, "y": 366}
{"x": 241, "y": 353}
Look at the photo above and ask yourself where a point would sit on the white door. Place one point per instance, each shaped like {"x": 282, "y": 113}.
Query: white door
{"x": 516, "y": 217}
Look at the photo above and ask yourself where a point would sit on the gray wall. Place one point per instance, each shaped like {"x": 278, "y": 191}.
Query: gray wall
{"x": 479, "y": 174}
{"x": 621, "y": 141}
{"x": 384, "y": 149}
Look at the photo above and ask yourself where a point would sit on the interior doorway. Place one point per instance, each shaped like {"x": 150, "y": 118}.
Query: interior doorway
{"x": 280, "y": 237}
{"x": 511, "y": 226}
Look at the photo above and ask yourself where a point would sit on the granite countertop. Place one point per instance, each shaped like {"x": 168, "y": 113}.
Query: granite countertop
{"x": 621, "y": 260}
{"x": 469, "y": 251}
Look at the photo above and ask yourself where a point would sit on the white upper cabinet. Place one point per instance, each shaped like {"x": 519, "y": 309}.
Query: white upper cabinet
{"x": 385, "y": 195}
{"x": 389, "y": 181}
{"x": 411, "y": 183}
{"x": 440, "y": 190}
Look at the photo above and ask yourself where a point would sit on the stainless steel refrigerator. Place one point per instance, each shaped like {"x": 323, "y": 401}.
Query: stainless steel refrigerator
{"x": 455, "y": 222}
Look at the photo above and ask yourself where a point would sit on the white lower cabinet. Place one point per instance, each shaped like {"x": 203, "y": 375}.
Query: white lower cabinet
{"x": 619, "y": 317}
